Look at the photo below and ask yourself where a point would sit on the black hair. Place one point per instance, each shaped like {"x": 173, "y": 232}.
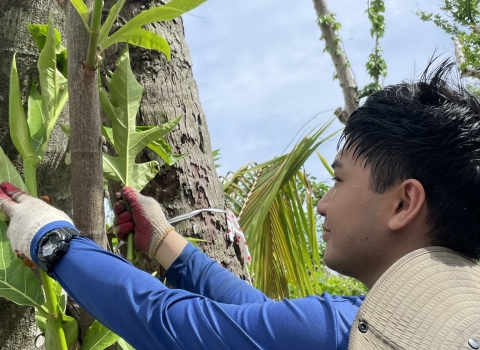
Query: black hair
{"x": 428, "y": 130}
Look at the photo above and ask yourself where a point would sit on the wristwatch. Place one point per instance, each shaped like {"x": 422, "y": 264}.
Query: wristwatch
{"x": 53, "y": 247}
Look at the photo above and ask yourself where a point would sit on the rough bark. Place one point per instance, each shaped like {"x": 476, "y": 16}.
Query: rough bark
{"x": 340, "y": 61}
{"x": 17, "y": 324}
{"x": 192, "y": 183}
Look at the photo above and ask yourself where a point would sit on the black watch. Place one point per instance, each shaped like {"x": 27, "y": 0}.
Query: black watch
{"x": 53, "y": 247}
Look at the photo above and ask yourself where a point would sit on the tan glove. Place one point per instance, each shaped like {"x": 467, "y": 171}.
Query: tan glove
{"x": 144, "y": 217}
{"x": 27, "y": 216}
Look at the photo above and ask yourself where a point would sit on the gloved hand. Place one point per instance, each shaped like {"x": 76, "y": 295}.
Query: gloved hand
{"x": 27, "y": 216}
{"x": 145, "y": 218}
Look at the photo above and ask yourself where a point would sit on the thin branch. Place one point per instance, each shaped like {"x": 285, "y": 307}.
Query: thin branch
{"x": 339, "y": 58}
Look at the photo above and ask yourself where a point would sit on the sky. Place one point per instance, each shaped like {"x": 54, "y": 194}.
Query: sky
{"x": 262, "y": 73}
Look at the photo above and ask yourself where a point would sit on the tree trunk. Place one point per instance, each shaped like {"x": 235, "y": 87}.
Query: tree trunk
{"x": 192, "y": 183}
{"x": 17, "y": 324}
{"x": 85, "y": 128}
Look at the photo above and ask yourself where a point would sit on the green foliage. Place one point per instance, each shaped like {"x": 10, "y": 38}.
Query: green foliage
{"x": 39, "y": 34}
{"x": 17, "y": 281}
{"x": 123, "y": 345}
{"x": 132, "y": 31}
{"x": 460, "y": 19}
{"x": 54, "y": 94}
{"x": 331, "y": 20}
{"x": 19, "y": 131}
{"x": 369, "y": 89}
{"x": 336, "y": 284}
{"x": 10, "y": 174}
{"x": 30, "y": 136}
{"x": 69, "y": 326}
{"x": 310, "y": 184}
{"x": 99, "y": 337}
{"x": 216, "y": 157}
{"x": 277, "y": 215}
{"x": 121, "y": 105}
{"x": 375, "y": 11}
{"x": 376, "y": 65}
{"x": 160, "y": 147}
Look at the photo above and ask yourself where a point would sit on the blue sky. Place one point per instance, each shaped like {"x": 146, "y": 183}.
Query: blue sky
{"x": 262, "y": 73}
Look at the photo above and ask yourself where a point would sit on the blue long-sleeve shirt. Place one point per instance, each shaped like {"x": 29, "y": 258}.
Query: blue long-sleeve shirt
{"x": 214, "y": 309}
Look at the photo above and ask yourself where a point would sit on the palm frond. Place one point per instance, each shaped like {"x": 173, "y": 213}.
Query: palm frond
{"x": 280, "y": 225}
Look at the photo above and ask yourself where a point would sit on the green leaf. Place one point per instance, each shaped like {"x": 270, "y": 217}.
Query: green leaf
{"x": 107, "y": 26}
{"x": 17, "y": 281}
{"x": 163, "y": 149}
{"x": 279, "y": 224}
{"x": 160, "y": 147}
{"x": 54, "y": 87}
{"x": 41, "y": 320}
{"x": 35, "y": 118}
{"x": 123, "y": 345}
{"x": 82, "y": 10}
{"x": 121, "y": 107}
{"x": 142, "y": 38}
{"x": 10, "y": 174}
{"x": 99, "y": 337}
{"x": 39, "y": 35}
{"x": 140, "y": 174}
{"x": 19, "y": 131}
{"x": 325, "y": 164}
{"x": 173, "y": 9}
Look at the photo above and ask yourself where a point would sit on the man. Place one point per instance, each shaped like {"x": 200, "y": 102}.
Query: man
{"x": 403, "y": 217}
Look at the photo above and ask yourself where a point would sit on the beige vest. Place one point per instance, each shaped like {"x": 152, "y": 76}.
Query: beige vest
{"x": 429, "y": 299}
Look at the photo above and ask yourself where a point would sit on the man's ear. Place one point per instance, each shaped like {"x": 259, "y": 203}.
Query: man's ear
{"x": 410, "y": 198}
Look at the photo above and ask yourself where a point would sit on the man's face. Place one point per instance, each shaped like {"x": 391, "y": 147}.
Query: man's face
{"x": 356, "y": 220}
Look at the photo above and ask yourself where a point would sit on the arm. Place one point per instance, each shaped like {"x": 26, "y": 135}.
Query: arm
{"x": 197, "y": 273}
{"x": 148, "y": 315}
{"x": 191, "y": 270}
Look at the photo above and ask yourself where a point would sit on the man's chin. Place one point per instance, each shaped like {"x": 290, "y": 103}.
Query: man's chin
{"x": 333, "y": 262}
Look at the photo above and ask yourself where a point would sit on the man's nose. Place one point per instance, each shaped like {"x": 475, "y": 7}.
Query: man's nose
{"x": 323, "y": 203}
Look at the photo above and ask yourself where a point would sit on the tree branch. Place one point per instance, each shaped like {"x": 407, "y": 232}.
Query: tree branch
{"x": 339, "y": 58}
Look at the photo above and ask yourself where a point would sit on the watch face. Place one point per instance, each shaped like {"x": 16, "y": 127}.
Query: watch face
{"x": 48, "y": 248}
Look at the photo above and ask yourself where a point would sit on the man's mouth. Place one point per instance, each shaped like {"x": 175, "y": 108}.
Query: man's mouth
{"x": 327, "y": 233}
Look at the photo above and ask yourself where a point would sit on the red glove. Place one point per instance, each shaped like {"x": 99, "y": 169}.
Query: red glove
{"x": 145, "y": 218}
